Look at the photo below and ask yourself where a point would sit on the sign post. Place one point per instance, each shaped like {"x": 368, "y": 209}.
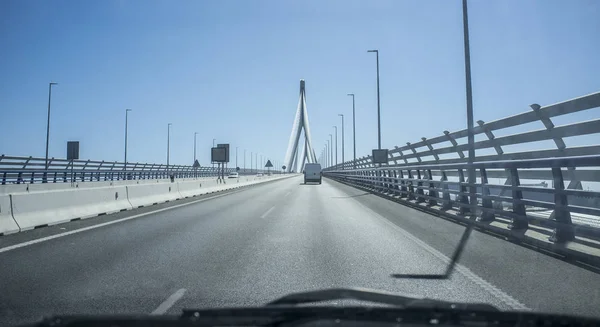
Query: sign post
{"x": 72, "y": 154}
{"x": 268, "y": 165}
{"x": 220, "y": 155}
{"x": 380, "y": 156}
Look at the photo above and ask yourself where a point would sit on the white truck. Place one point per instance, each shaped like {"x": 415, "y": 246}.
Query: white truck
{"x": 312, "y": 173}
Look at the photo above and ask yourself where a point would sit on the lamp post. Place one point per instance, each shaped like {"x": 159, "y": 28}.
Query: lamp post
{"x": 378, "y": 103}
{"x": 213, "y": 164}
{"x": 327, "y": 152}
{"x": 48, "y": 123}
{"x": 336, "y": 144}
{"x": 331, "y": 148}
{"x": 195, "y": 168}
{"x": 195, "y": 133}
{"x": 125, "y": 160}
{"x": 353, "y": 128}
{"x": 342, "y": 115}
{"x": 469, "y": 91}
{"x": 168, "y": 144}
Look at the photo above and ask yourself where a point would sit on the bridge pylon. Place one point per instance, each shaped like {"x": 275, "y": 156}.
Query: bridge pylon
{"x": 293, "y": 157}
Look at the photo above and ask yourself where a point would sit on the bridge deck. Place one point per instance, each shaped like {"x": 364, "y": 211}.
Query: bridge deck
{"x": 255, "y": 244}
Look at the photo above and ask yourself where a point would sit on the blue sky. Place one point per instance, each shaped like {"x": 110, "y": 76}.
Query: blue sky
{"x": 230, "y": 70}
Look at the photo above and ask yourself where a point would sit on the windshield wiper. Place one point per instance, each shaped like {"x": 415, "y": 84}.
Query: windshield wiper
{"x": 375, "y": 297}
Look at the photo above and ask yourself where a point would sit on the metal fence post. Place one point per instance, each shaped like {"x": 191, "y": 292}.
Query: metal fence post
{"x": 403, "y": 191}
{"x": 420, "y": 192}
{"x": 463, "y": 197}
{"x": 447, "y": 202}
{"x": 411, "y": 188}
{"x": 520, "y": 220}
{"x": 563, "y": 231}
{"x": 432, "y": 191}
{"x": 486, "y": 203}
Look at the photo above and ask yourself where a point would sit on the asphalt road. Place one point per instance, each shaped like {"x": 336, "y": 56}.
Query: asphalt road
{"x": 250, "y": 246}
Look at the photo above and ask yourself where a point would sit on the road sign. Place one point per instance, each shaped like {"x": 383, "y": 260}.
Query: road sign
{"x": 268, "y": 164}
{"x": 196, "y": 164}
{"x": 237, "y": 168}
{"x": 283, "y": 167}
{"x": 218, "y": 154}
{"x": 72, "y": 150}
{"x": 380, "y": 156}
{"x": 226, "y": 146}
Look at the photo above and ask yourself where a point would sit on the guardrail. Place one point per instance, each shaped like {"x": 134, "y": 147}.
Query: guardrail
{"x": 18, "y": 170}
{"x": 447, "y": 148}
{"x": 416, "y": 184}
{"x": 432, "y": 171}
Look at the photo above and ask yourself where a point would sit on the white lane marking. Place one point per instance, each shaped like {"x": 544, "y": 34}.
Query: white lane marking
{"x": 264, "y": 215}
{"x": 168, "y": 303}
{"x": 47, "y": 238}
{"x": 466, "y": 272}
{"x": 288, "y": 193}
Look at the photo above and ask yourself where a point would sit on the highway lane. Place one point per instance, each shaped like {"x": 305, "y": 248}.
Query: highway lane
{"x": 256, "y": 244}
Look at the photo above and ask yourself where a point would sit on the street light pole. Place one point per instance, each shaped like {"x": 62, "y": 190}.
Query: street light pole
{"x": 236, "y": 148}
{"x": 378, "y": 103}
{"x": 244, "y": 160}
{"x": 331, "y": 148}
{"x": 327, "y": 150}
{"x": 353, "y": 128}
{"x": 470, "y": 133}
{"x": 168, "y": 144}
{"x": 195, "y": 168}
{"x": 125, "y": 161}
{"x": 336, "y": 144}
{"x": 195, "y": 133}
{"x": 213, "y": 164}
{"x": 48, "y": 124}
{"x": 341, "y": 115}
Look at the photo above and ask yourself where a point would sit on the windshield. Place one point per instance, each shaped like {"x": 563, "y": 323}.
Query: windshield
{"x": 364, "y": 136}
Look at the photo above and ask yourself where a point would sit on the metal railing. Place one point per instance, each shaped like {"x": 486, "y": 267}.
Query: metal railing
{"x": 417, "y": 184}
{"x": 18, "y": 170}
{"x": 447, "y": 148}
{"x": 433, "y": 170}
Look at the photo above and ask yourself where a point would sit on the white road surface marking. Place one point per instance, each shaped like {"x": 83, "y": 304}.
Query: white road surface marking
{"x": 169, "y": 302}
{"x": 288, "y": 193}
{"x": 466, "y": 272}
{"x": 47, "y": 238}
{"x": 267, "y": 213}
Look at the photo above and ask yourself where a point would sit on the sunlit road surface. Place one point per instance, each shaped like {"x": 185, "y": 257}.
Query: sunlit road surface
{"x": 262, "y": 242}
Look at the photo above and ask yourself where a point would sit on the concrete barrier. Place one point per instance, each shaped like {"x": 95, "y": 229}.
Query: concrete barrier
{"x": 26, "y": 210}
{"x": 7, "y": 222}
{"x": 193, "y": 188}
{"x": 33, "y": 209}
{"x": 46, "y": 187}
{"x": 148, "y": 194}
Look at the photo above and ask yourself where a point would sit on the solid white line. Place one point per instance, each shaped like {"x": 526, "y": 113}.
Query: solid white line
{"x": 267, "y": 213}
{"x": 47, "y": 238}
{"x": 466, "y": 272}
{"x": 163, "y": 307}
